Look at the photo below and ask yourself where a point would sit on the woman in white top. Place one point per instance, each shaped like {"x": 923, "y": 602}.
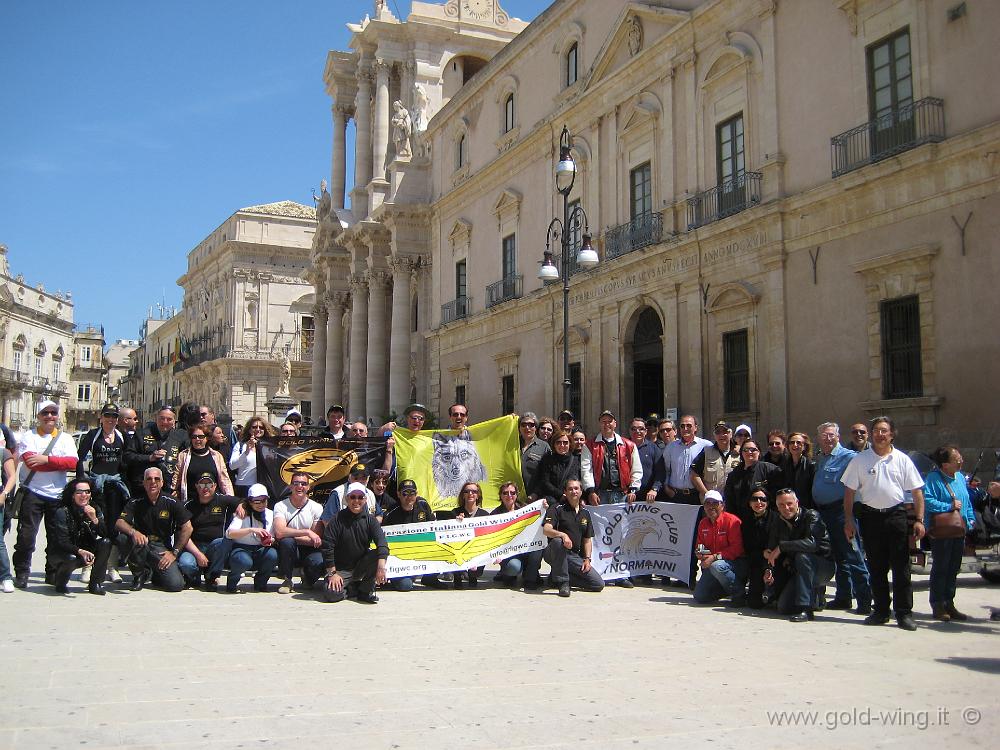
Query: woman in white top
{"x": 243, "y": 460}
{"x": 253, "y": 542}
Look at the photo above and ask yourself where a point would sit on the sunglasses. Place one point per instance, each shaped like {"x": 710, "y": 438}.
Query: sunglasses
{"x": 199, "y": 437}
{"x": 417, "y": 417}
{"x": 758, "y": 499}
{"x": 48, "y": 413}
{"x": 750, "y": 450}
{"x": 512, "y": 493}
{"x": 300, "y": 484}
{"x": 82, "y": 492}
{"x": 528, "y": 424}
{"x": 258, "y": 499}
{"x": 459, "y": 414}
{"x": 562, "y": 442}
{"x": 776, "y": 444}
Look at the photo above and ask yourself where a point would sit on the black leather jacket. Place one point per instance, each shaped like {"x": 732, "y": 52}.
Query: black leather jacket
{"x": 805, "y": 533}
{"x": 72, "y": 530}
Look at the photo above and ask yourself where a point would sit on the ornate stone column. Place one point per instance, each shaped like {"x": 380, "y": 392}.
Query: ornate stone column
{"x": 359, "y": 344}
{"x": 362, "y": 144}
{"x": 399, "y": 339}
{"x": 338, "y": 171}
{"x": 336, "y": 305}
{"x": 377, "y": 361}
{"x": 318, "y": 359}
{"x": 407, "y": 83}
{"x": 380, "y": 130}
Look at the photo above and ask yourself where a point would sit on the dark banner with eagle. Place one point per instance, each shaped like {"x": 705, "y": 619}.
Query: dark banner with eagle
{"x": 326, "y": 461}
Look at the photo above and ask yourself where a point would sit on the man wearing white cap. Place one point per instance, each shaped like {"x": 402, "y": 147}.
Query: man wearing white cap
{"x": 46, "y": 455}
{"x": 719, "y": 552}
{"x": 354, "y": 550}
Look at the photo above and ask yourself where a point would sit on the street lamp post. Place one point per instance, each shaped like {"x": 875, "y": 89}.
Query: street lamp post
{"x": 563, "y": 230}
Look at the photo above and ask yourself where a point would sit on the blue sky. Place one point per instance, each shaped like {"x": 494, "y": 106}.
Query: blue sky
{"x": 132, "y": 130}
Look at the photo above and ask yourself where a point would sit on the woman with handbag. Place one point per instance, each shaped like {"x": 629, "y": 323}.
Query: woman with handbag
{"x": 948, "y": 517}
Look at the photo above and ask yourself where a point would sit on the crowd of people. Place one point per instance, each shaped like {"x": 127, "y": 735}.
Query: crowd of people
{"x": 178, "y": 503}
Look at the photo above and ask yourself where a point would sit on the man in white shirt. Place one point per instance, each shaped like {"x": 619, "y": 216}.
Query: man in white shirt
{"x": 883, "y": 476}
{"x": 47, "y": 455}
{"x": 296, "y": 530}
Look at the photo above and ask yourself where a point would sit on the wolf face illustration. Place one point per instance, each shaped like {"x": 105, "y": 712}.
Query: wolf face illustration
{"x": 455, "y": 462}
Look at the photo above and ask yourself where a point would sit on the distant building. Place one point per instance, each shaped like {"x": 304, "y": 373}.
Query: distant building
{"x": 36, "y": 344}
{"x": 247, "y": 308}
{"x": 88, "y": 383}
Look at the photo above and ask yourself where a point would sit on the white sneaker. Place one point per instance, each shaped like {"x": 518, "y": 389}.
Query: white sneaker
{"x": 7, "y": 586}
{"x": 85, "y": 574}
{"x": 114, "y": 575}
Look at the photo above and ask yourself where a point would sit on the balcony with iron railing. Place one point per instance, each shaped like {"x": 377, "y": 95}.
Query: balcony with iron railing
{"x": 644, "y": 230}
{"x": 893, "y": 133}
{"x": 14, "y": 378}
{"x": 457, "y": 309}
{"x": 726, "y": 199}
{"x": 509, "y": 287}
{"x": 295, "y": 352}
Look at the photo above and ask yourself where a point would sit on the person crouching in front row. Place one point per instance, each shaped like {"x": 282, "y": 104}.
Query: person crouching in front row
{"x": 570, "y": 531}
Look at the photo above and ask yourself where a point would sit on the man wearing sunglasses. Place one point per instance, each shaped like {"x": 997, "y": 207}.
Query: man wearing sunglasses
{"x": 46, "y": 456}
{"x": 533, "y": 448}
{"x": 152, "y": 531}
{"x": 296, "y": 529}
{"x": 354, "y": 550}
{"x": 158, "y": 444}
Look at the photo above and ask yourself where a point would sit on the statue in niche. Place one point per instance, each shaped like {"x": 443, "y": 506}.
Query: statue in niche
{"x": 402, "y": 128}
{"x": 420, "y": 104}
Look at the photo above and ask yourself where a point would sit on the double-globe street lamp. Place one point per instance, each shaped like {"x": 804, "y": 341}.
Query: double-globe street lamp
{"x": 564, "y": 230}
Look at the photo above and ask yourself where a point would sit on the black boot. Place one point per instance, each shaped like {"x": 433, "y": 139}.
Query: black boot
{"x": 140, "y": 577}
{"x": 100, "y": 570}
{"x": 61, "y": 576}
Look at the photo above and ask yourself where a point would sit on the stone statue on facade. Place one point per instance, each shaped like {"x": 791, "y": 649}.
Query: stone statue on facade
{"x": 420, "y": 103}
{"x": 286, "y": 373}
{"x": 324, "y": 203}
{"x": 402, "y": 129}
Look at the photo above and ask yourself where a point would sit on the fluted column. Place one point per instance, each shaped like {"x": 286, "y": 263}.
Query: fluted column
{"x": 377, "y": 360}
{"x": 336, "y": 304}
{"x": 380, "y": 130}
{"x": 318, "y": 359}
{"x": 399, "y": 337}
{"x": 338, "y": 171}
{"x": 362, "y": 143}
{"x": 359, "y": 344}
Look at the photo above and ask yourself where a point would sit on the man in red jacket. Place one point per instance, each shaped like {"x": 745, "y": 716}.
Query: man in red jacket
{"x": 46, "y": 455}
{"x": 719, "y": 552}
{"x": 617, "y": 469}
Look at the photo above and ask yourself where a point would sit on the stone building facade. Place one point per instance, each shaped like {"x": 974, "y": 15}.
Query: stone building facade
{"x": 36, "y": 347}
{"x": 795, "y": 207}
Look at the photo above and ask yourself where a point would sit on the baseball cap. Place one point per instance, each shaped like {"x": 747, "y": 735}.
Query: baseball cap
{"x": 355, "y": 487}
{"x": 607, "y": 413}
{"x": 407, "y": 485}
{"x": 714, "y": 496}
{"x": 211, "y": 478}
{"x": 109, "y": 410}
{"x": 721, "y": 426}
{"x": 46, "y": 404}
{"x": 257, "y": 490}
{"x": 416, "y": 407}
{"x": 565, "y": 414}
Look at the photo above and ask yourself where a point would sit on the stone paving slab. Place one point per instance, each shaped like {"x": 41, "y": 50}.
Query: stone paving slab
{"x": 487, "y": 668}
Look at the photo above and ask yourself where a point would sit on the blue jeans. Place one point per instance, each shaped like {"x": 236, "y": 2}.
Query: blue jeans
{"x": 526, "y": 562}
{"x": 4, "y": 560}
{"x": 946, "y": 562}
{"x": 851, "y": 573}
{"x": 609, "y": 497}
{"x": 217, "y": 551}
{"x": 246, "y": 557}
{"x": 723, "y": 578}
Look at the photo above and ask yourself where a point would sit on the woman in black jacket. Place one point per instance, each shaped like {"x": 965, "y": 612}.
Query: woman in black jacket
{"x": 750, "y": 473}
{"x": 555, "y": 468}
{"x": 800, "y": 469}
{"x": 757, "y": 530}
{"x": 80, "y": 537}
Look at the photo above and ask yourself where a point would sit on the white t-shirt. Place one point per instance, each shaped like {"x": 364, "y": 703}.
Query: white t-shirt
{"x": 305, "y": 519}
{"x": 882, "y": 480}
{"x": 252, "y": 540}
{"x": 48, "y": 484}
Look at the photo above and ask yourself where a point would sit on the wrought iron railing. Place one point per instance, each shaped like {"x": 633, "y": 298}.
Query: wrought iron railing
{"x": 457, "y": 309}
{"x": 507, "y": 288}
{"x": 644, "y": 230}
{"x": 13, "y": 377}
{"x": 893, "y": 133}
{"x": 728, "y": 198}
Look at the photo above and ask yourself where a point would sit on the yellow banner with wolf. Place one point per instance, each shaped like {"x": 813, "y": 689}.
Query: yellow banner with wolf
{"x": 441, "y": 461}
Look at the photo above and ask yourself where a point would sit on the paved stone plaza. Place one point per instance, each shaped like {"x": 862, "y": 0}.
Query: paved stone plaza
{"x": 485, "y": 668}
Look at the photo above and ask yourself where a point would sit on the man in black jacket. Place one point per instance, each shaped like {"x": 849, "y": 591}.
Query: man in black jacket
{"x": 351, "y": 563}
{"x": 799, "y": 552}
{"x": 157, "y": 445}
